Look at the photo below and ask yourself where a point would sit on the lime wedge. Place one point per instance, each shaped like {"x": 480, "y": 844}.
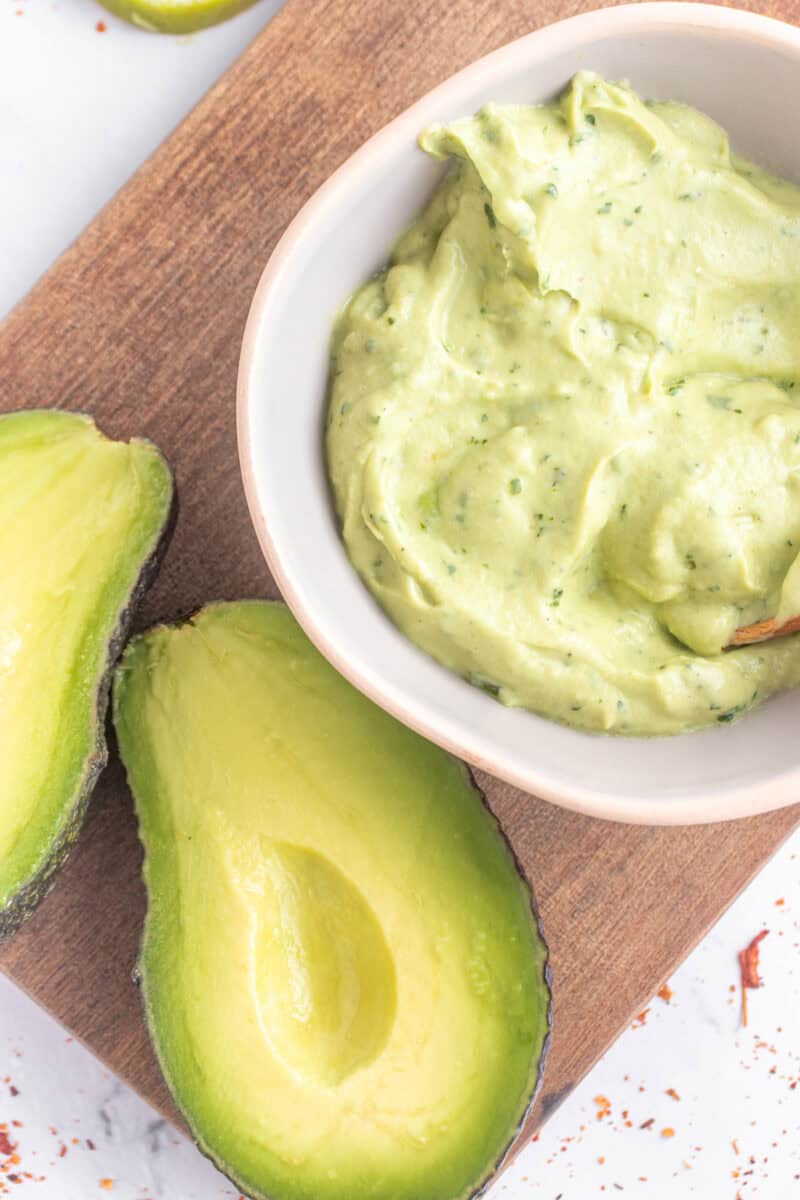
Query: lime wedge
{"x": 175, "y": 16}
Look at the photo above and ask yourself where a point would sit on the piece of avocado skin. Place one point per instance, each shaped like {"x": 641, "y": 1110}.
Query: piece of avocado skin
{"x": 134, "y": 757}
{"x": 172, "y": 17}
{"x": 41, "y": 882}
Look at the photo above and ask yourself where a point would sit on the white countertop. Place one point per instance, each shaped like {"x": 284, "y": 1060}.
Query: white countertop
{"x": 79, "y": 110}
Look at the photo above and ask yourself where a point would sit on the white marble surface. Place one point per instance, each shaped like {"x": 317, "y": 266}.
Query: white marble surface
{"x": 79, "y": 110}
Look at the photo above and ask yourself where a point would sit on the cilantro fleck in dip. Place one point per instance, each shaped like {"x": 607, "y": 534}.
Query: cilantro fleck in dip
{"x": 564, "y": 431}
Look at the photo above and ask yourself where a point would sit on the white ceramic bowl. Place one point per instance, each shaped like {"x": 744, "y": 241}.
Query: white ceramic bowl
{"x": 742, "y": 69}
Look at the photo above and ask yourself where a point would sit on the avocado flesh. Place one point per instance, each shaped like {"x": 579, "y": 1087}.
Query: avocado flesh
{"x": 342, "y": 972}
{"x": 175, "y": 16}
{"x": 80, "y": 519}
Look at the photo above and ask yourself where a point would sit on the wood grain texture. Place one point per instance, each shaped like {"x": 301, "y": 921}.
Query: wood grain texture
{"x": 139, "y": 324}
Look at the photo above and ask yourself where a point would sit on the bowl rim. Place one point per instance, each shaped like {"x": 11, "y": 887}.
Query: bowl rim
{"x": 694, "y": 807}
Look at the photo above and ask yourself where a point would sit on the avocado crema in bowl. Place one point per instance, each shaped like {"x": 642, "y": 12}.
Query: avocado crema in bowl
{"x": 563, "y": 429}
{"x": 518, "y": 413}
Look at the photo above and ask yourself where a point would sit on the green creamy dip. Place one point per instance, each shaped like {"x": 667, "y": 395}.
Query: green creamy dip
{"x": 564, "y": 427}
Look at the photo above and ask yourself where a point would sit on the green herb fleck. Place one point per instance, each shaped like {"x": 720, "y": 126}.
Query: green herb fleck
{"x": 725, "y": 717}
{"x": 515, "y": 487}
{"x": 605, "y": 208}
{"x": 490, "y": 217}
{"x": 551, "y": 189}
{"x": 493, "y": 689}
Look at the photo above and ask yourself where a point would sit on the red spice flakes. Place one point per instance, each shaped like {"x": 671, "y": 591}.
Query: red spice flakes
{"x": 735, "y": 1144}
{"x": 780, "y": 902}
{"x": 668, "y": 1132}
{"x": 602, "y": 1159}
{"x": 101, "y": 27}
{"x": 63, "y": 1151}
{"x": 671, "y": 1092}
{"x": 13, "y": 1090}
{"x": 640, "y": 1018}
{"x": 748, "y": 966}
{"x": 603, "y": 1107}
{"x": 106, "y": 1184}
{"x": 648, "y": 1124}
{"x": 665, "y": 993}
{"x": 91, "y": 1146}
{"x": 6, "y": 1146}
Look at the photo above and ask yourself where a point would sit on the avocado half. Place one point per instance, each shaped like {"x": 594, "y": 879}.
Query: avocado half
{"x": 83, "y": 521}
{"x": 343, "y": 973}
{"x": 175, "y": 16}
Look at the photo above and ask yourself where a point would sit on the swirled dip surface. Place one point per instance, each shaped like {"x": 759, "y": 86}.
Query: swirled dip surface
{"x": 564, "y": 432}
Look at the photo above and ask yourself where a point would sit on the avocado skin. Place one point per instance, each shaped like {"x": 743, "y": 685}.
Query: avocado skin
{"x": 140, "y": 981}
{"x": 37, "y": 887}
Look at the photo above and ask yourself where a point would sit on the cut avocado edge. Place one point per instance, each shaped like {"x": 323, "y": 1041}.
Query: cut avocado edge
{"x": 191, "y": 16}
{"x": 42, "y": 878}
{"x": 511, "y": 1149}
{"x": 141, "y": 973}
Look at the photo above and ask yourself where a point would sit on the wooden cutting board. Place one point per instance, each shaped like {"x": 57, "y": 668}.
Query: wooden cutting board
{"x": 140, "y": 323}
